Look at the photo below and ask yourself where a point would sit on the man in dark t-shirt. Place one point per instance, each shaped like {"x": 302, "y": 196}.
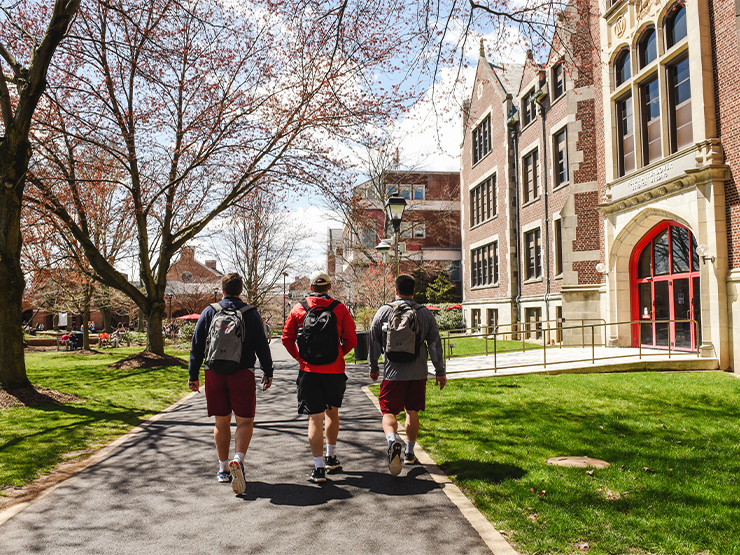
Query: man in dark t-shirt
{"x": 233, "y": 392}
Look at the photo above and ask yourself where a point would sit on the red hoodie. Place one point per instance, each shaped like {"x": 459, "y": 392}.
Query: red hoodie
{"x": 345, "y": 327}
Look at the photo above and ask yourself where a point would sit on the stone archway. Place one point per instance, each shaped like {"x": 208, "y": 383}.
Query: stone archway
{"x": 618, "y": 257}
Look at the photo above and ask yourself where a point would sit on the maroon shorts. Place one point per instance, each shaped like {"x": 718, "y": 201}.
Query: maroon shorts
{"x": 227, "y": 393}
{"x": 397, "y": 396}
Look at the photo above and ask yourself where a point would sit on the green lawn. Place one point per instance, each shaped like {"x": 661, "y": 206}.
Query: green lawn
{"x": 673, "y": 441}
{"x": 35, "y": 439}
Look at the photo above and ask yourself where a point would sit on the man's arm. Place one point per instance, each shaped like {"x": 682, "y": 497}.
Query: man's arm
{"x": 198, "y": 348}
{"x": 261, "y": 346}
{"x": 375, "y": 342}
{"x": 434, "y": 345}
{"x": 290, "y": 334}
{"x": 348, "y": 339}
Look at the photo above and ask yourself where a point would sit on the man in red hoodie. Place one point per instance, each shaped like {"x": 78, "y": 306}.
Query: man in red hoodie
{"x": 321, "y": 379}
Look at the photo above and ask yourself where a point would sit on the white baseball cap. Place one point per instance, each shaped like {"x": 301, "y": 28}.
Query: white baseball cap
{"x": 319, "y": 277}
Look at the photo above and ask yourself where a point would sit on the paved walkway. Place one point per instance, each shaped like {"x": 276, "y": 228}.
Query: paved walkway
{"x": 155, "y": 492}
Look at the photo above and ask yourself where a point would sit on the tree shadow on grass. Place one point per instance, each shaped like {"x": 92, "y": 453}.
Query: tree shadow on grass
{"x": 491, "y": 472}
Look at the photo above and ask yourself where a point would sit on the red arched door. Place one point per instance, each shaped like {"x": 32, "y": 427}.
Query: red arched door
{"x": 665, "y": 285}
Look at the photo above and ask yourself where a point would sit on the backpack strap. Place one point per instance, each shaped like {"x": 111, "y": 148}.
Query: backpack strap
{"x": 331, "y": 306}
{"x": 246, "y": 308}
{"x": 215, "y": 306}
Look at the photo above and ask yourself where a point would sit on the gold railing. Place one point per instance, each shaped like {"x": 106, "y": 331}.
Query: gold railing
{"x": 521, "y": 332}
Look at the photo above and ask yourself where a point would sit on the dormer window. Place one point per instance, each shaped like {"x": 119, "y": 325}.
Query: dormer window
{"x": 648, "y": 47}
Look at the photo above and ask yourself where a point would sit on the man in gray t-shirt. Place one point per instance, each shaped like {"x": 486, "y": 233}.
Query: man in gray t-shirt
{"x": 404, "y": 383}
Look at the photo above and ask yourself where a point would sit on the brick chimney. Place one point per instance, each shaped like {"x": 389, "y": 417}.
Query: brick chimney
{"x": 187, "y": 253}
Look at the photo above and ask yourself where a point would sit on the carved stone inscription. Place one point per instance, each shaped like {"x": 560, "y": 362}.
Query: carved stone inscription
{"x": 653, "y": 176}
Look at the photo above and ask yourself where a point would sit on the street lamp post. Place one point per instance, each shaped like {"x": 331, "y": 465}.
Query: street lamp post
{"x": 285, "y": 274}
{"x": 394, "y": 208}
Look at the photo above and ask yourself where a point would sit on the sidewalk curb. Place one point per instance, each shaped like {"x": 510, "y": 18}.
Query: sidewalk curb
{"x": 97, "y": 456}
{"x": 492, "y": 537}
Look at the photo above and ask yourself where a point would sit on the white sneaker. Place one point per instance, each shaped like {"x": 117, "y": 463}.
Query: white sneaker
{"x": 395, "y": 463}
{"x": 238, "y": 482}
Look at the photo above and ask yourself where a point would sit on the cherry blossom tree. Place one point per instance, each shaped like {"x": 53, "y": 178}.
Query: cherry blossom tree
{"x": 200, "y": 104}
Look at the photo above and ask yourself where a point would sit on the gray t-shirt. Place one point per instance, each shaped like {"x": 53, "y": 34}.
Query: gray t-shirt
{"x": 431, "y": 346}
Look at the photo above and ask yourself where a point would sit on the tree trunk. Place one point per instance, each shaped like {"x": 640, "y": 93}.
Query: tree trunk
{"x": 13, "y": 162}
{"x": 85, "y": 329}
{"x": 107, "y": 326}
{"x": 154, "y": 337}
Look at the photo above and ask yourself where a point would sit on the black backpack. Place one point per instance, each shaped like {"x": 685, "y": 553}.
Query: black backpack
{"x": 318, "y": 338}
{"x": 225, "y": 339}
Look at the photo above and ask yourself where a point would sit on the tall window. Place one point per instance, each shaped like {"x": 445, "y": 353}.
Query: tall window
{"x": 679, "y": 90}
{"x": 626, "y": 136}
{"x": 530, "y": 178}
{"x": 533, "y": 245}
{"x": 675, "y": 26}
{"x": 483, "y": 201}
{"x": 482, "y": 139}
{"x": 558, "y": 247}
{"x": 484, "y": 265}
{"x": 648, "y": 47}
{"x": 558, "y": 80}
{"x": 560, "y": 141}
{"x": 622, "y": 68}
{"x": 650, "y": 101}
{"x": 419, "y": 192}
{"x": 529, "y": 111}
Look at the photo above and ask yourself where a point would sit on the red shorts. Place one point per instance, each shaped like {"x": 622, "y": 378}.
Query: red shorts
{"x": 227, "y": 393}
{"x": 397, "y": 396}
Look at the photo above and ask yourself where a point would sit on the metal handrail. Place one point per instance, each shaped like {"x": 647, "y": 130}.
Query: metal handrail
{"x": 516, "y": 330}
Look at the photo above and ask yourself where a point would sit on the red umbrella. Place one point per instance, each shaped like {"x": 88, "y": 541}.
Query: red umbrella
{"x": 432, "y": 307}
{"x": 454, "y": 306}
{"x": 189, "y": 317}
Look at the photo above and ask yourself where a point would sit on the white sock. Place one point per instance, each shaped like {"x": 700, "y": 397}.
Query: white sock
{"x": 239, "y": 457}
{"x": 391, "y": 438}
{"x": 318, "y": 462}
{"x": 410, "y": 446}
{"x": 330, "y": 450}
{"x": 223, "y": 465}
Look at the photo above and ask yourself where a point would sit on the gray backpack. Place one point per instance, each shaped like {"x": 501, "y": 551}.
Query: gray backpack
{"x": 225, "y": 339}
{"x": 403, "y": 337}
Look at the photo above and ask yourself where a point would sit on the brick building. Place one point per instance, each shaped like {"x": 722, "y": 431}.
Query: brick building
{"x": 529, "y": 187}
{"x": 430, "y": 228}
{"x": 191, "y": 285}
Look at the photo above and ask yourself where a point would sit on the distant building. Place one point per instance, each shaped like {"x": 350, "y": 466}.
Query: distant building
{"x": 430, "y": 228}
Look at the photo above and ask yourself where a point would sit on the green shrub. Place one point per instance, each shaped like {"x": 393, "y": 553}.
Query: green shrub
{"x": 449, "y": 319}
